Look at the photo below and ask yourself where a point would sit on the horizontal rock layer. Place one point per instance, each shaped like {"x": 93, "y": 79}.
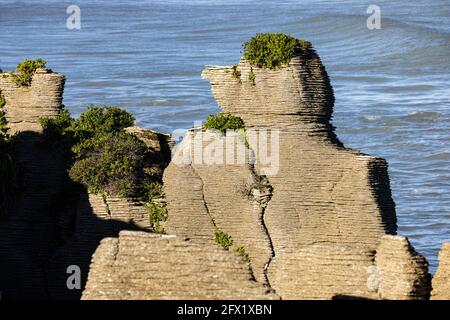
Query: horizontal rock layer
{"x": 25, "y": 105}
{"x": 135, "y": 266}
{"x": 441, "y": 280}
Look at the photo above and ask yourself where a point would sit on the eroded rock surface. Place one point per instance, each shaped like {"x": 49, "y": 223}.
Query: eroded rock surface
{"x": 403, "y": 273}
{"x": 329, "y": 205}
{"x": 25, "y": 105}
{"x": 441, "y": 280}
{"x": 135, "y": 266}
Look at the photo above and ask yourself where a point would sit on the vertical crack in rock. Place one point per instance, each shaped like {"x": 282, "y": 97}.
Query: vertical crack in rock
{"x": 272, "y": 250}
{"x": 203, "y": 196}
{"x": 105, "y": 201}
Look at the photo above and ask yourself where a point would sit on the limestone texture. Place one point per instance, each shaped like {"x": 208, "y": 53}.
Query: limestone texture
{"x": 441, "y": 279}
{"x": 26, "y": 104}
{"x": 317, "y": 233}
{"x": 135, "y": 266}
{"x": 403, "y": 273}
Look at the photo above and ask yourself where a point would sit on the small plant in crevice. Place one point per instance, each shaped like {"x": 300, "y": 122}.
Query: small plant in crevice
{"x": 242, "y": 253}
{"x": 223, "y": 122}
{"x": 223, "y": 239}
{"x": 259, "y": 190}
{"x": 153, "y": 197}
{"x": 236, "y": 73}
{"x": 273, "y": 50}
{"x": 251, "y": 76}
{"x": 157, "y": 214}
{"x": 26, "y": 70}
{"x": 3, "y": 121}
{"x": 2, "y": 100}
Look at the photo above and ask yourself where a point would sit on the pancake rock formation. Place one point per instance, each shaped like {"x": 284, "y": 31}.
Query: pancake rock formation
{"x": 27, "y": 104}
{"x": 325, "y": 208}
{"x": 136, "y": 266}
{"x": 441, "y": 280}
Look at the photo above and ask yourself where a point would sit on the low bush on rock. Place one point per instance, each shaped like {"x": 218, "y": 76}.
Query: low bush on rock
{"x": 272, "y": 50}
{"x": 223, "y": 122}
{"x": 223, "y": 239}
{"x": 26, "y": 70}
{"x": 105, "y": 158}
{"x": 242, "y": 253}
{"x": 111, "y": 163}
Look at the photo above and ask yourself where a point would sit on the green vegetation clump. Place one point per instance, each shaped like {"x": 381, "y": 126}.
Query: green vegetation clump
{"x": 26, "y": 70}
{"x": 272, "y": 50}
{"x": 251, "y": 76}
{"x": 76, "y": 134}
{"x": 153, "y": 191}
{"x": 3, "y": 122}
{"x": 101, "y": 120}
{"x": 236, "y": 73}
{"x": 223, "y": 239}
{"x": 242, "y": 253}
{"x": 105, "y": 158}
{"x": 2, "y": 100}
{"x": 223, "y": 122}
{"x": 111, "y": 163}
{"x": 157, "y": 215}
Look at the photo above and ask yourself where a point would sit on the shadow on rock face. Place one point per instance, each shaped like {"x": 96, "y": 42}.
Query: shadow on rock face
{"x": 48, "y": 226}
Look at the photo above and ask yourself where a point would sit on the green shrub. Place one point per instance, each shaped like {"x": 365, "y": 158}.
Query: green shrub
{"x": 224, "y": 122}
{"x": 236, "y": 73}
{"x": 111, "y": 163}
{"x": 272, "y": 50}
{"x": 2, "y": 100}
{"x": 58, "y": 131}
{"x": 101, "y": 119}
{"x": 242, "y": 253}
{"x": 157, "y": 214}
{"x": 3, "y": 122}
{"x": 26, "y": 70}
{"x": 223, "y": 239}
{"x": 252, "y": 77}
{"x": 152, "y": 190}
{"x": 76, "y": 135}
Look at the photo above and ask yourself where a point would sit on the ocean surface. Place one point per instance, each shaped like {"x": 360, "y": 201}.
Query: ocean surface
{"x": 391, "y": 85}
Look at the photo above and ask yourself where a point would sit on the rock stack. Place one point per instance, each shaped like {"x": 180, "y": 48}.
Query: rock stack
{"x": 441, "y": 280}
{"x": 25, "y": 105}
{"x": 29, "y": 228}
{"x": 317, "y": 236}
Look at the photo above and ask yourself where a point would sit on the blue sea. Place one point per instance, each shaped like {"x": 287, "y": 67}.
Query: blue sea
{"x": 391, "y": 84}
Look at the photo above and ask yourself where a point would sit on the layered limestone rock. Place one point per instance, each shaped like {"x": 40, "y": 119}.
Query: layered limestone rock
{"x": 441, "y": 280}
{"x": 317, "y": 236}
{"x": 96, "y": 217}
{"x": 217, "y": 196}
{"x": 403, "y": 273}
{"x": 100, "y": 216}
{"x": 29, "y": 227}
{"x": 135, "y": 266}
{"x": 159, "y": 146}
{"x": 25, "y": 105}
